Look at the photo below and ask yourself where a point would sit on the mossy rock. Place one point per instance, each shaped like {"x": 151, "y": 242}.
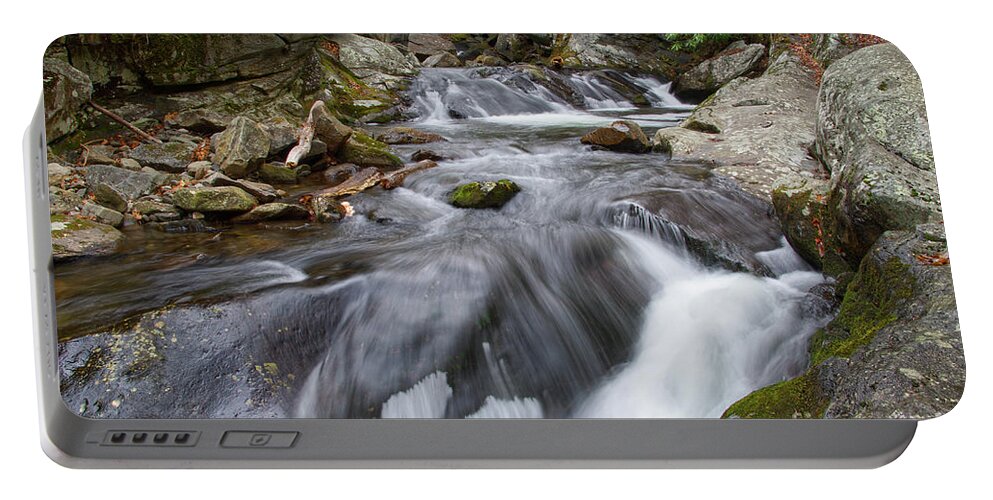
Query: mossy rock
{"x": 803, "y": 207}
{"x": 226, "y": 199}
{"x": 487, "y": 194}
{"x": 365, "y": 151}
{"x": 277, "y": 174}
{"x": 78, "y": 237}
{"x": 800, "y": 397}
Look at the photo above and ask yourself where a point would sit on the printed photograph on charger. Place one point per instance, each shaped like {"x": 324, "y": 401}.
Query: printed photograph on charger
{"x": 496, "y": 226}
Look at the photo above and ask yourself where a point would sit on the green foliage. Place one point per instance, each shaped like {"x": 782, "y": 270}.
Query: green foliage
{"x": 692, "y": 42}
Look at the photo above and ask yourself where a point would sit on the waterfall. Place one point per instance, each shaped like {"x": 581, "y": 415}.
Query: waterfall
{"x": 444, "y": 94}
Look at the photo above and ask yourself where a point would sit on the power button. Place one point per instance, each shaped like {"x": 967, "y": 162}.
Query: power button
{"x": 260, "y": 439}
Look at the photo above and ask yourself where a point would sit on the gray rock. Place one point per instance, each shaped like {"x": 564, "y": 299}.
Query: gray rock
{"x": 130, "y": 164}
{"x": 423, "y": 44}
{"x": 758, "y": 143}
{"x": 734, "y": 61}
{"x": 329, "y": 130}
{"x": 203, "y": 120}
{"x": 241, "y": 148}
{"x": 282, "y": 134}
{"x": 622, "y": 136}
{"x": 374, "y": 62}
{"x": 872, "y": 134}
{"x": 66, "y": 90}
{"x": 199, "y": 169}
{"x": 407, "y": 135}
{"x": 63, "y": 201}
{"x": 131, "y": 185}
{"x": 170, "y": 157}
{"x": 109, "y": 197}
{"x": 74, "y": 237}
{"x": 155, "y": 211}
{"x": 219, "y": 200}
{"x": 274, "y": 211}
{"x": 102, "y": 214}
{"x": 57, "y": 173}
{"x": 442, "y": 60}
{"x": 277, "y": 174}
{"x": 913, "y": 365}
{"x": 259, "y": 190}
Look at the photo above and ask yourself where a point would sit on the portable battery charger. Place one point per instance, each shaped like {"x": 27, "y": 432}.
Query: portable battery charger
{"x": 471, "y": 250}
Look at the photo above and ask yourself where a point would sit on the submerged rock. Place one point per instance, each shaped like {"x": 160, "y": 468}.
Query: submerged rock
{"x": 170, "y": 157}
{"x": 488, "y": 194}
{"x": 622, "y": 136}
{"x": 241, "y": 148}
{"x": 734, "y": 61}
{"x": 222, "y": 200}
{"x": 78, "y": 237}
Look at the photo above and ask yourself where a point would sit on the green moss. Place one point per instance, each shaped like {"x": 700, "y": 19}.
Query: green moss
{"x": 800, "y": 397}
{"x": 62, "y": 225}
{"x": 484, "y": 194}
{"x": 870, "y": 303}
{"x": 368, "y": 152}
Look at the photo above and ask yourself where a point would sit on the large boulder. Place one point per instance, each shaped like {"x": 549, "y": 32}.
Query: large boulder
{"x": 79, "y": 237}
{"x": 241, "y": 148}
{"x": 424, "y": 45}
{"x": 622, "y": 136}
{"x": 754, "y": 131}
{"x": 66, "y": 90}
{"x": 170, "y": 157}
{"x": 705, "y": 78}
{"x": 329, "y": 129}
{"x": 129, "y": 184}
{"x": 872, "y": 134}
{"x": 219, "y": 200}
{"x": 803, "y": 206}
{"x": 374, "y": 62}
{"x": 487, "y": 194}
{"x": 644, "y": 53}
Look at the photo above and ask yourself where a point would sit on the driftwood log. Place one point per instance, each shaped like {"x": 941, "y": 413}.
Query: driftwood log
{"x": 305, "y": 136}
{"x": 323, "y": 126}
{"x": 395, "y": 178}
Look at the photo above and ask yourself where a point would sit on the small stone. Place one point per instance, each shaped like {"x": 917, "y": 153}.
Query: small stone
{"x": 57, "y": 173}
{"x": 621, "y": 136}
{"x": 109, "y": 197}
{"x": 102, "y": 214}
{"x": 277, "y": 174}
{"x": 426, "y": 154}
{"x": 407, "y": 135}
{"x": 487, "y": 194}
{"x": 130, "y": 164}
{"x": 199, "y": 169}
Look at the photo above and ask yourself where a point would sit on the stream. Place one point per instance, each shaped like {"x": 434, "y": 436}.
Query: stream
{"x": 612, "y": 285}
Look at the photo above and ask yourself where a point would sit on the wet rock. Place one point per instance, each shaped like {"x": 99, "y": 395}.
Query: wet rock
{"x": 374, "y": 62}
{"x": 443, "y": 60}
{"x": 259, "y": 190}
{"x": 365, "y": 151}
{"x": 424, "y": 45}
{"x": 109, "y": 197}
{"x": 328, "y": 209}
{"x": 102, "y": 214}
{"x": 78, "y": 237}
{"x": 274, "y": 211}
{"x": 66, "y": 91}
{"x": 241, "y": 148}
{"x": 170, "y": 157}
{"x": 131, "y": 185}
{"x": 621, "y": 136}
{"x": 426, "y": 154}
{"x": 277, "y": 174}
{"x": 62, "y": 201}
{"x": 873, "y": 136}
{"x": 221, "y": 200}
{"x": 57, "y": 173}
{"x": 802, "y": 205}
{"x": 155, "y": 211}
{"x": 486, "y": 194}
{"x": 407, "y": 135}
{"x": 705, "y": 78}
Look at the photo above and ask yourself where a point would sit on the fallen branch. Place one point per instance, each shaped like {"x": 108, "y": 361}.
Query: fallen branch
{"x": 395, "y": 179}
{"x": 304, "y": 139}
{"x": 362, "y": 180}
{"x": 117, "y": 118}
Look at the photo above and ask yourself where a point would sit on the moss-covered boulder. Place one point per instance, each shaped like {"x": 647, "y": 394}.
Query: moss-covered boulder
{"x": 488, "y": 194}
{"x": 365, "y": 151}
{"x": 217, "y": 200}
{"x": 277, "y": 174}
{"x": 241, "y": 148}
{"x": 622, "y": 136}
{"x": 893, "y": 351}
{"x": 74, "y": 237}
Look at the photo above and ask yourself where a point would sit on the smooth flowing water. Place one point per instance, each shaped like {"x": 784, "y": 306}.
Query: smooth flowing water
{"x": 587, "y": 295}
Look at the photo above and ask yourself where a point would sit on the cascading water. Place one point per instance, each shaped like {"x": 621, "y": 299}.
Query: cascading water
{"x": 603, "y": 289}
